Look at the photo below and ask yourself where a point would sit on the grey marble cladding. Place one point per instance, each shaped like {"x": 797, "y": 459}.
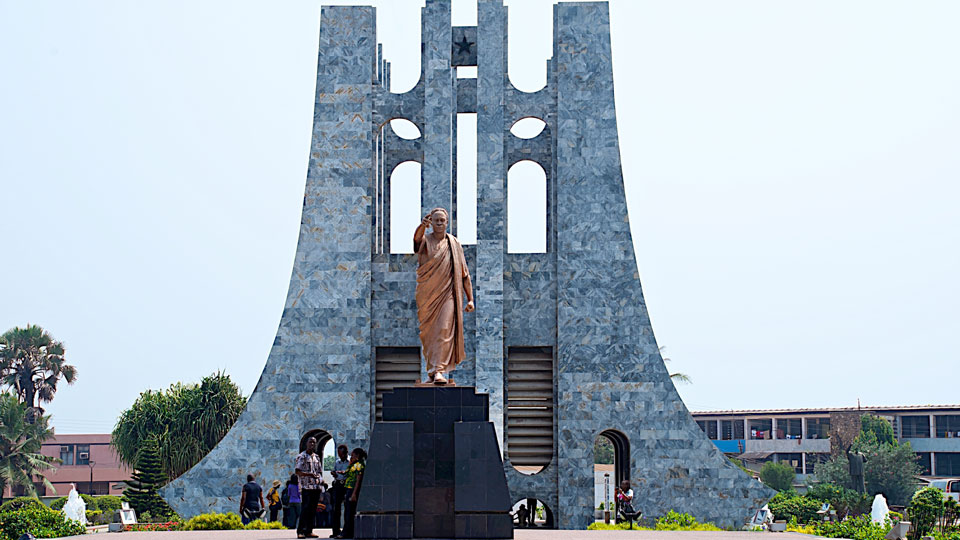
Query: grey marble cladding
{"x": 582, "y": 297}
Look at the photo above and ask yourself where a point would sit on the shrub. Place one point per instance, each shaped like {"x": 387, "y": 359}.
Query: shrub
{"x": 258, "y": 525}
{"x": 214, "y": 522}
{"x": 674, "y": 521}
{"x": 925, "y": 510}
{"x": 109, "y": 504}
{"x": 40, "y": 521}
{"x": 94, "y": 517}
{"x": 20, "y": 502}
{"x": 844, "y": 501}
{"x": 777, "y": 475}
{"x": 88, "y": 500}
{"x": 855, "y": 528}
{"x": 167, "y": 526}
{"x": 791, "y": 506}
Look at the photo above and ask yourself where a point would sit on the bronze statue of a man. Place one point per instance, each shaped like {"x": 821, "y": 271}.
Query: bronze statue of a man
{"x": 442, "y": 281}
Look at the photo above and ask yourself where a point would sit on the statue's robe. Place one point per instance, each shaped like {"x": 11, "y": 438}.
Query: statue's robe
{"x": 440, "y": 274}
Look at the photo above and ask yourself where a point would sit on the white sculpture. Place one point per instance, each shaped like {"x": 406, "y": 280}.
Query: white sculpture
{"x": 75, "y": 508}
{"x": 879, "y": 511}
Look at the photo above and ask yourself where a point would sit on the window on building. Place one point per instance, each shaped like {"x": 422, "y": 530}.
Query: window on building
{"x": 731, "y": 429}
{"x": 818, "y": 428}
{"x": 793, "y": 459}
{"x": 813, "y": 460}
{"x": 66, "y": 454}
{"x": 915, "y": 427}
{"x": 923, "y": 458}
{"x": 760, "y": 428}
{"x": 709, "y": 427}
{"x": 789, "y": 428}
{"x": 526, "y": 208}
{"x": 948, "y": 425}
{"x": 947, "y": 463}
{"x": 83, "y": 454}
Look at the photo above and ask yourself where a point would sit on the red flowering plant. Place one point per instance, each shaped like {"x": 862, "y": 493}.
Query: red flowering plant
{"x": 165, "y": 526}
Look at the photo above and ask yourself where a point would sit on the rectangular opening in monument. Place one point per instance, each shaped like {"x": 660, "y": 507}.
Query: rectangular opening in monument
{"x": 467, "y": 178}
{"x": 395, "y": 366}
{"x": 466, "y": 72}
{"x": 530, "y": 406}
{"x": 405, "y": 181}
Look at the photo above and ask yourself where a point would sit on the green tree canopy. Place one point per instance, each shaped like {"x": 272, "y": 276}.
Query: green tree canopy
{"x": 32, "y": 363}
{"x": 186, "y": 421}
{"x": 890, "y": 468}
{"x": 877, "y": 429}
{"x": 20, "y": 442}
{"x": 777, "y": 475}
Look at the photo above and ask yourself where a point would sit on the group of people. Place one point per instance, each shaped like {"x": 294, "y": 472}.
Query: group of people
{"x": 306, "y": 500}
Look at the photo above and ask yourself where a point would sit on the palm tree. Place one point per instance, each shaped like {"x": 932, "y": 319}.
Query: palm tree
{"x": 32, "y": 363}
{"x": 20, "y": 443}
{"x": 675, "y": 377}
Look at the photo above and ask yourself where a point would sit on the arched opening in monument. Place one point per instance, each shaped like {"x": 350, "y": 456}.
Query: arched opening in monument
{"x": 611, "y": 458}
{"x": 529, "y": 408}
{"x": 405, "y": 129}
{"x": 527, "y": 128}
{"x": 528, "y": 45}
{"x": 466, "y": 193}
{"x": 531, "y": 512}
{"x": 405, "y": 181}
{"x": 326, "y": 446}
{"x": 526, "y": 208}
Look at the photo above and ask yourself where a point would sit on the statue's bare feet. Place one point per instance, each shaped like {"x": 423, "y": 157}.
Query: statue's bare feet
{"x": 439, "y": 378}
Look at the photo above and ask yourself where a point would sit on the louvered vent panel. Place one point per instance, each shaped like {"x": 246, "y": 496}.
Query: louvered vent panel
{"x": 396, "y": 366}
{"x": 530, "y": 406}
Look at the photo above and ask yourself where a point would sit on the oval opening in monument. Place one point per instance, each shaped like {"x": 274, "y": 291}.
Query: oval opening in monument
{"x": 611, "y": 465}
{"x": 527, "y": 128}
{"x": 405, "y": 181}
{"x": 531, "y": 513}
{"x": 405, "y": 129}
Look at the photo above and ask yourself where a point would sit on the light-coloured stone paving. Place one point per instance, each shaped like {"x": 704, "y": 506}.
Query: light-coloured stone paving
{"x": 524, "y": 534}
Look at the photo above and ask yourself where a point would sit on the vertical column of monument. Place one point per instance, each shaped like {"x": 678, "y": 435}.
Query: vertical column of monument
{"x": 597, "y": 305}
{"x": 318, "y": 371}
{"x": 491, "y": 204}
{"x": 606, "y": 346}
{"x": 439, "y": 106}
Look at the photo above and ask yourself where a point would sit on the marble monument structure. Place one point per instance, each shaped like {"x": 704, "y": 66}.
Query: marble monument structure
{"x": 560, "y": 341}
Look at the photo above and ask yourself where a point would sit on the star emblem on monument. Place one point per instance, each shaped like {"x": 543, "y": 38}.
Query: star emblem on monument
{"x": 463, "y": 46}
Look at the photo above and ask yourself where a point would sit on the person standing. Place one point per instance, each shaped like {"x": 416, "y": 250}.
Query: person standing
{"x": 309, "y": 469}
{"x": 353, "y": 482}
{"x": 337, "y": 490}
{"x": 291, "y": 507}
{"x": 273, "y": 500}
{"x": 251, "y": 500}
{"x": 324, "y": 507}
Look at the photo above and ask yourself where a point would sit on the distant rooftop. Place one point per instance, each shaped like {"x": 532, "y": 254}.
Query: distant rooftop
{"x": 824, "y": 410}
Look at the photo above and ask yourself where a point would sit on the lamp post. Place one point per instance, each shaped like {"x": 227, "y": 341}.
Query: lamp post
{"x": 606, "y": 497}
{"x": 91, "y": 463}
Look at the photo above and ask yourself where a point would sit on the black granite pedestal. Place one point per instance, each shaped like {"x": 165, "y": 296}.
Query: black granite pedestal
{"x": 434, "y": 469}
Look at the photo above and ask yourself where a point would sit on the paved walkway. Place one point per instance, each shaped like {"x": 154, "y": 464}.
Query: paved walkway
{"x": 520, "y": 534}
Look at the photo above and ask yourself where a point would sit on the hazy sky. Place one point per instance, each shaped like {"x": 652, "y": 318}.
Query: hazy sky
{"x": 791, "y": 171}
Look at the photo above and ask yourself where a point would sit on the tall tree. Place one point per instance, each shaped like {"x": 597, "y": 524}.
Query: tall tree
{"x": 20, "y": 442}
{"x": 186, "y": 421}
{"x": 147, "y": 478}
{"x": 32, "y": 363}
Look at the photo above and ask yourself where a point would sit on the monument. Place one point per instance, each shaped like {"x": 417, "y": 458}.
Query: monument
{"x": 560, "y": 346}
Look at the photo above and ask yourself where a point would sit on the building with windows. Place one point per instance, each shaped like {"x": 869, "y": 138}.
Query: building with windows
{"x": 87, "y": 461}
{"x": 806, "y": 437}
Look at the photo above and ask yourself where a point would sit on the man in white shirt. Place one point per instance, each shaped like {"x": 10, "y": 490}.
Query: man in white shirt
{"x": 309, "y": 469}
